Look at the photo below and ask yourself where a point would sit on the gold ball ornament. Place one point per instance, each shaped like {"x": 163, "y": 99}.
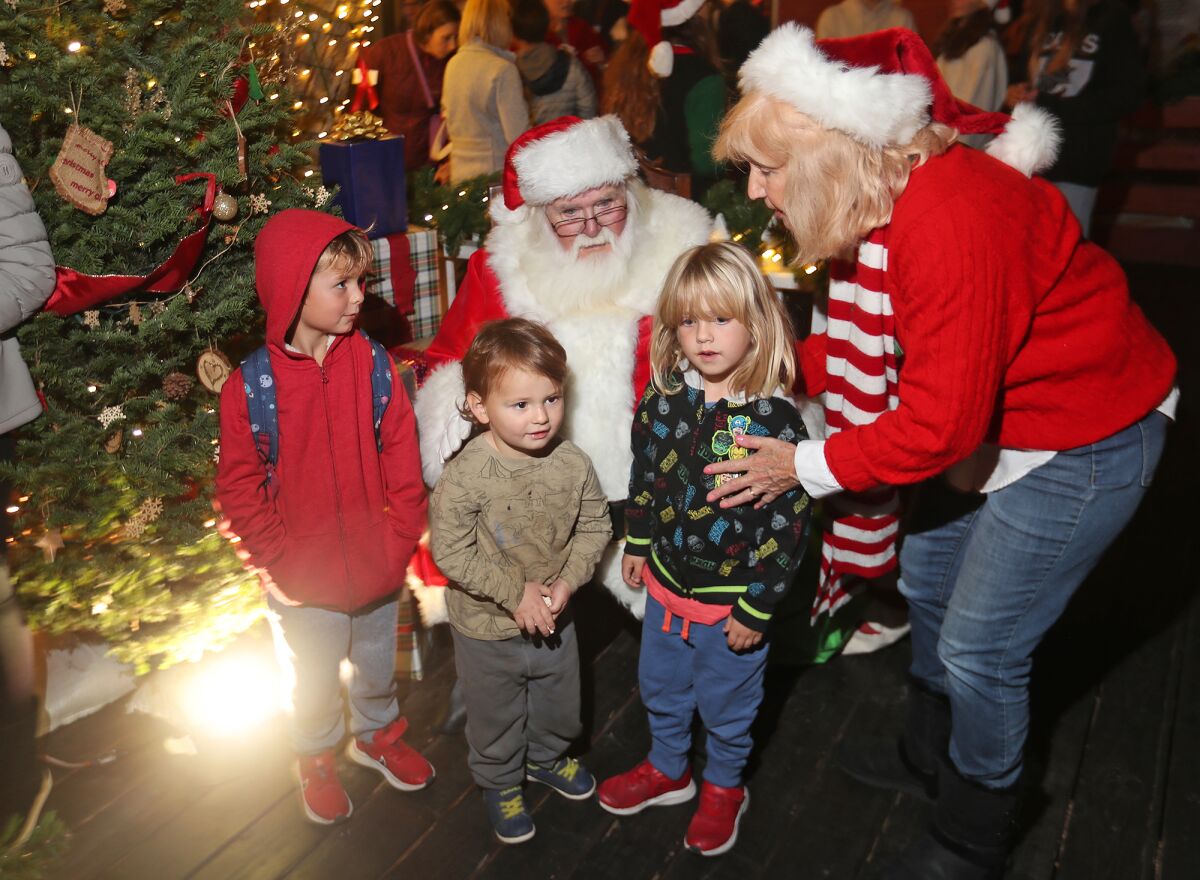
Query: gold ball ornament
{"x": 225, "y": 207}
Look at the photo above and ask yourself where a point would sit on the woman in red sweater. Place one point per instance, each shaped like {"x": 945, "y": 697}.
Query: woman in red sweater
{"x": 976, "y": 342}
{"x": 411, "y": 65}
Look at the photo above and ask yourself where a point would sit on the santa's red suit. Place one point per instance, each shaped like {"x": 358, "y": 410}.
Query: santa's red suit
{"x": 602, "y": 317}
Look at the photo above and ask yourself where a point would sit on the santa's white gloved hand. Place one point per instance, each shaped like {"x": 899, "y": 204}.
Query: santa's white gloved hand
{"x": 454, "y": 435}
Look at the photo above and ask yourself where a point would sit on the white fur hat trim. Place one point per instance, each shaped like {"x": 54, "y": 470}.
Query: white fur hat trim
{"x": 590, "y": 154}
{"x": 874, "y": 108}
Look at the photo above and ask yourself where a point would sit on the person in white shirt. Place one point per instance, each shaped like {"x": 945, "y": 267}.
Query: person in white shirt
{"x": 851, "y": 18}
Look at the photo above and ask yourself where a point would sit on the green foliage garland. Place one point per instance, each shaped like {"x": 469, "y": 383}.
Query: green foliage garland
{"x": 458, "y": 211}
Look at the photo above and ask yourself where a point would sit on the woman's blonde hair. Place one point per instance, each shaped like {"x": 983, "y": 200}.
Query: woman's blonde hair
{"x": 838, "y": 188}
{"x": 722, "y": 280}
{"x": 487, "y": 21}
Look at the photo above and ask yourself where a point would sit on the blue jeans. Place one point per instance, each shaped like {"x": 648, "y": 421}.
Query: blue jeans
{"x": 677, "y": 678}
{"x": 984, "y": 583}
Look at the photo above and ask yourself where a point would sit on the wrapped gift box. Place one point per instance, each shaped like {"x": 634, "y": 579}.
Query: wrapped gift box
{"x": 370, "y": 177}
{"x": 424, "y": 306}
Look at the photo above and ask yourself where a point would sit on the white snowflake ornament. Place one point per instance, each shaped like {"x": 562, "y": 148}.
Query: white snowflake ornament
{"x": 91, "y": 318}
{"x": 110, "y": 414}
{"x": 259, "y": 203}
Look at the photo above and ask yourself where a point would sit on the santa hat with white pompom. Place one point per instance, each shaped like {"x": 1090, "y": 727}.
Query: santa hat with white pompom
{"x": 560, "y": 158}
{"x": 649, "y": 17}
{"x": 884, "y": 87}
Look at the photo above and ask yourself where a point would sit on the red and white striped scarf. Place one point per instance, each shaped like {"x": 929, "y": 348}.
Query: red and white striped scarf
{"x": 860, "y": 537}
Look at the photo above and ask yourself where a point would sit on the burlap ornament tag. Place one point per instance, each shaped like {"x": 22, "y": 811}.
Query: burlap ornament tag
{"x": 78, "y": 172}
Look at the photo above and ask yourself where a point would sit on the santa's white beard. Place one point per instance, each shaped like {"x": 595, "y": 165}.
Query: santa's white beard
{"x": 575, "y": 280}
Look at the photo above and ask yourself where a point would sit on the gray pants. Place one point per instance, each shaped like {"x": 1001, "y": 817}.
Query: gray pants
{"x": 522, "y": 699}
{"x": 311, "y": 644}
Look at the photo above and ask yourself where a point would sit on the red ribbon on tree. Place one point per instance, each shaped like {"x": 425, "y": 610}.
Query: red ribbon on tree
{"x": 75, "y": 291}
{"x": 364, "y": 96}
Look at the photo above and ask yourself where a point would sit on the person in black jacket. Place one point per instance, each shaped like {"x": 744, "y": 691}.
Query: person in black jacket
{"x": 1085, "y": 67}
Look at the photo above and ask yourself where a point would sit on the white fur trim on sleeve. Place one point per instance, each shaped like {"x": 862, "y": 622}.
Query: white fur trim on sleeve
{"x": 1029, "y": 143}
{"x": 608, "y": 572}
{"x": 436, "y": 407}
{"x": 593, "y": 153}
{"x": 874, "y": 108}
{"x": 431, "y": 602}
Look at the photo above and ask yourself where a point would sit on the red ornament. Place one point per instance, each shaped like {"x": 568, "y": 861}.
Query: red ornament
{"x": 241, "y": 92}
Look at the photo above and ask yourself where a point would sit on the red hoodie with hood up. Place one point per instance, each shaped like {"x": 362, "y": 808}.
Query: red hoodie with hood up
{"x": 340, "y": 530}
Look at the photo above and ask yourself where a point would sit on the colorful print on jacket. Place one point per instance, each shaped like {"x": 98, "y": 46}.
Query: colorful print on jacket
{"x": 741, "y": 557}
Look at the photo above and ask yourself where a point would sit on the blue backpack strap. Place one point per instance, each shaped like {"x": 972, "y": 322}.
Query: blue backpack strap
{"x": 259, "y": 383}
{"x": 381, "y": 386}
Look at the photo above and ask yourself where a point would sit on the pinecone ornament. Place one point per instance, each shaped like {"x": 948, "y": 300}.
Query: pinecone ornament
{"x": 177, "y": 386}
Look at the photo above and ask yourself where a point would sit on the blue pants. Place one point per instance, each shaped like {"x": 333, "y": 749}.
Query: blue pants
{"x": 985, "y": 584}
{"x": 679, "y": 677}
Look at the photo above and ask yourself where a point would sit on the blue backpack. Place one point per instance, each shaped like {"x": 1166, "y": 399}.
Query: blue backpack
{"x": 259, "y": 383}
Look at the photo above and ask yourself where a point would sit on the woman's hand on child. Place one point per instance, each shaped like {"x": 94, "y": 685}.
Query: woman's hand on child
{"x": 739, "y": 636}
{"x": 765, "y": 475}
{"x": 631, "y": 570}
{"x": 533, "y": 614}
{"x": 559, "y": 593}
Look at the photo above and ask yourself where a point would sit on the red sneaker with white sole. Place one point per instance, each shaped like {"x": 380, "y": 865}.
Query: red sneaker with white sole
{"x": 325, "y": 801}
{"x": 390, "y": 756}
{"x": 714, "y": 828}
{"x": 644, "y": 786}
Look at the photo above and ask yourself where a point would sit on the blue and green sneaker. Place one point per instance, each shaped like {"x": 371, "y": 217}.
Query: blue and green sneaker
{"x": 506, "y": 810}
{"x": 566, "y": 776}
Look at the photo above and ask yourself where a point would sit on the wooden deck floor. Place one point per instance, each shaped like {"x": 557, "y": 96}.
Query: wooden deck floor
{"x": 1114, "y": 753}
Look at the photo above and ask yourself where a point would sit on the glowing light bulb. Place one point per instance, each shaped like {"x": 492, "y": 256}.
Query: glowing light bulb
{"x": 74, "y": 46}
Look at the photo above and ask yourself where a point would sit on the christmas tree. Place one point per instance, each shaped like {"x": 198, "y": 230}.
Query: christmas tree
{"x": 115, "y": 530}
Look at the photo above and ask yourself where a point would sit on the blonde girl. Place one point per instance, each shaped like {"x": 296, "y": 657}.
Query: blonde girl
{"x": 722, "y": 359}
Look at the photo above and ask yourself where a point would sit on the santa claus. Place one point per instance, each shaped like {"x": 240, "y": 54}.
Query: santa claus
{"x": 583, "y": 246}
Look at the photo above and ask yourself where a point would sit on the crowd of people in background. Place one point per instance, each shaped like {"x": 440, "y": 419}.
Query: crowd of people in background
{"x": 668, "y": 69}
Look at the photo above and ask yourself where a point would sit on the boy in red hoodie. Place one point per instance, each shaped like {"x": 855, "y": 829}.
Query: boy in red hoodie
{"x": 332, "y": 533}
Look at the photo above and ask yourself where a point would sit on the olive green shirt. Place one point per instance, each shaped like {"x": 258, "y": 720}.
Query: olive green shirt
{"x": 498, "y": 522}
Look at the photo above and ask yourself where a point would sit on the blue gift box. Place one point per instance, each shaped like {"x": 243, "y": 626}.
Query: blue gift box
{"x": 370, "y": 177}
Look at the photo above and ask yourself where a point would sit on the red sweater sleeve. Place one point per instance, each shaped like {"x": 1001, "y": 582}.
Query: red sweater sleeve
{"x": 400, "y": 461}
{"x": 478, "y": 301}
{"x": 249, "y": 513}
{"x": 810, "y": 360}
{"x": 963, "y": 300}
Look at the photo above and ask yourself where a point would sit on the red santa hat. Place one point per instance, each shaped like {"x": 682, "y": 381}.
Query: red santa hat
{"x": 649, "y": 17}
{"x": 882, "y": 88}
{"x": 563, "y": 157}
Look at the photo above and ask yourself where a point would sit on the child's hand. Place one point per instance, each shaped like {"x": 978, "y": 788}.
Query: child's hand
{"x": 533, "y": 615}
{"x": 560, "y": 594}
{"x": 631, "y": 570}
{"x": 739, "y": 636}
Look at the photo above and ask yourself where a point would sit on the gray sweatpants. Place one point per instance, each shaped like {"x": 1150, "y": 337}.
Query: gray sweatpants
{"x": 522, "y": 698}
{"x": 311, "y": 644}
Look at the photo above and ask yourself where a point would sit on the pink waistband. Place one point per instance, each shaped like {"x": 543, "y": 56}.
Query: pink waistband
{"x": 688, "y": 610}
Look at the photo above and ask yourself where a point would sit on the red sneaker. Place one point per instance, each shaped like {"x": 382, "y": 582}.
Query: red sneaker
{"x": 399, "y": 763}
{"x": 321, "y": 792}
{"x": 714, "y": 828}
{"x": 642, "y": 787}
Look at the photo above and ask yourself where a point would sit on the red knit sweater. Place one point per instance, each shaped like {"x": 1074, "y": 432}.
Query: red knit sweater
{"x": 1013, "y": 329}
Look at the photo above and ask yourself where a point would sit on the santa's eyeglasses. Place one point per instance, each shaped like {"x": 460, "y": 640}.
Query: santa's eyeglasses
{"x": 572, "y": 226}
